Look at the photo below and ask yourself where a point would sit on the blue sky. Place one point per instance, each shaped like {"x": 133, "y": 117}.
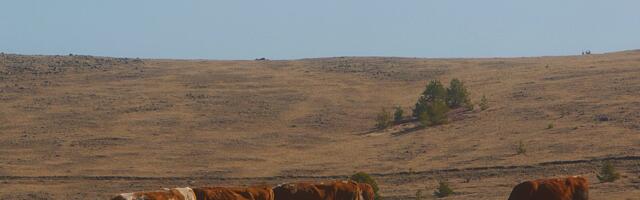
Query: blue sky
{"x": 289, "y": 29}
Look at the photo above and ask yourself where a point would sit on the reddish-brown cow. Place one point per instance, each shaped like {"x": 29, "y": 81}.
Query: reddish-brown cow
{"x": 571, "y": 188}
{"x": 338, "y": 190}
{"x": 234, "y": 193}
{"x": 367, "y": 191}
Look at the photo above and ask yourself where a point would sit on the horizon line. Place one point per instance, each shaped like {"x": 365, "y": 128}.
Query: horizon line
{"x": 311, "y": 58}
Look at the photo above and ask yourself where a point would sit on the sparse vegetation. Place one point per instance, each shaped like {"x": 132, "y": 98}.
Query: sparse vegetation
{"x": 383, "y": 120}
{"x": 550, "y": 126}
{"x": 362, "y": 177}
{"x": 443, "y": 190}
{"x": 608, "y": 173}
{"x": 398, "y": 114}
{"x": 484, "y": 103}
{"x": 520, "y": 148}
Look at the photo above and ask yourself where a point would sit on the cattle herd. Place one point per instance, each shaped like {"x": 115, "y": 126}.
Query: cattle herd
{"x": 334, "y": 190}
{"x": 570, "y": 188}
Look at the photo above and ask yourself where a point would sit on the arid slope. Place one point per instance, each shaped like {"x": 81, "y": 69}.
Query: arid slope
{"x": 93, "y": 116}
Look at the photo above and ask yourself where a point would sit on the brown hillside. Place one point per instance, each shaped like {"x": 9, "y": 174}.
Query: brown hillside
{"x": 81, "y": 116}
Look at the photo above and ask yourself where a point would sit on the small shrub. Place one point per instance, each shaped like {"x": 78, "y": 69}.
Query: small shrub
{"x": 383, "y": 120}
{"x": 550, "y": 126}
{"x": 398, "y": 114}
{"x": 443, "y": 190}
{"x": 484, "y": 103}
{"x": 362, "y": 177}
{"x": 520, "y": 148}
{"x": 608, "y": 173}
{"x": 420, "y": 194}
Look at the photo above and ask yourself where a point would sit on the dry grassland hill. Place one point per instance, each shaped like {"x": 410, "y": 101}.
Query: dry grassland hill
{"x": 83, "y": 116}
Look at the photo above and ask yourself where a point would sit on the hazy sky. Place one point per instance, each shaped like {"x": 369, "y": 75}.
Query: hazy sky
{"x": 287, "y": 29}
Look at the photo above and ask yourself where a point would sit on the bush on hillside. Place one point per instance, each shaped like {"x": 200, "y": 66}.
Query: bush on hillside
{"x": 434, "y": 91}
{"x": 419, "y": 194}
{"x": 520, "y": 148}
{"x": 484, "y": 103}
{"x": 383, "y": 119}
{"x": 420, "y": 107}
{"x": 608, "y": 173}
{"x": 443, "y": 190}
{"x": 457, "y": 94}
{"x": 435, "y": 114}
{"x": 362, "y": 177}
{"x": 398, "y": 115}
{"x": 424, "y": 119}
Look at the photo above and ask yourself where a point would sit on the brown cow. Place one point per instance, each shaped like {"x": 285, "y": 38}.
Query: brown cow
{"x": 571, "y": 188}
{"x": 233, "y": 193}
{"x": 337, "y": 190}
{"x": 166, "y": 194}
{"x": 367, "y": 191}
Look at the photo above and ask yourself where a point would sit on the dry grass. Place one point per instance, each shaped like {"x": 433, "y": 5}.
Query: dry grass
{"x": 82, "y": 116}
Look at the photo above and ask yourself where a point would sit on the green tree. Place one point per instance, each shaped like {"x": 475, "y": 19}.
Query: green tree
{"x": 398, "y": 114}
{"x": 484, "y": 103}
{"x": 383, "y": 119}
{"x": 434, "y": 91}
{"x": 362, "y": 177}
{"x": 420, "y": 107}
{"x": 457, "y": 94}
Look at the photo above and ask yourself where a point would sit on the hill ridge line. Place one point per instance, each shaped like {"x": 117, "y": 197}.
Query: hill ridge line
{"x": 435, "y": 171}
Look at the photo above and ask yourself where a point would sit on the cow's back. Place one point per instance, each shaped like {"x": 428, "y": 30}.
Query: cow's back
{"x": 571, "y": 188}
{"x": 254, "y": 192}
{"x": 296, "y": 191}
{"x": 217, "y": 193}
{"x": 346, "y": 190}
{"x": 524, "y": 191}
